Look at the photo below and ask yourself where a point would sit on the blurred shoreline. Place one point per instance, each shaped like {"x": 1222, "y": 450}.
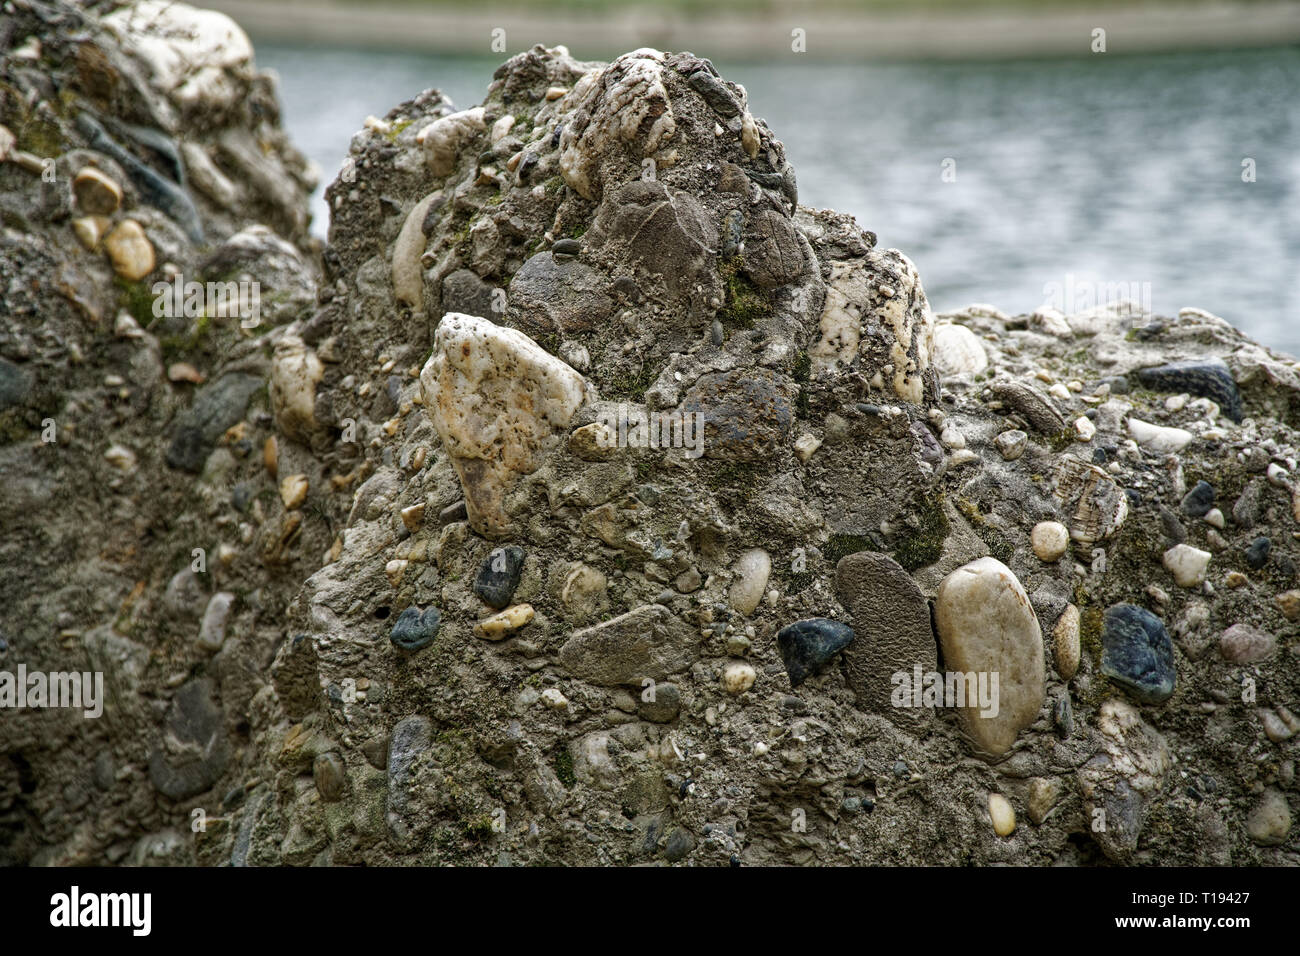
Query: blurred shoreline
{"x": 831, "y": 32}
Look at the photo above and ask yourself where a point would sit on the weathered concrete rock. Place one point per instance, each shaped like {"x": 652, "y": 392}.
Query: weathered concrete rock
{"x": 987, "y": 626}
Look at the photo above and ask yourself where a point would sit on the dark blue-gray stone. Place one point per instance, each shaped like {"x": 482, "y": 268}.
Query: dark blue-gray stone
{"x": 1199, "y": 500}
{"x": 807, "y": 646}
{"x": 1204, "y": 378}
{"x": 414, "y": 630}
{"x": 1137, "y": 653}
{"x": 15, "y": 384}
{"x": 498, "y": 576}
{"x": 215, "y": 408}
{"x": 678, "y": 845}
{"x": 1257, "y": 553}
{"x": 714, "y": 93}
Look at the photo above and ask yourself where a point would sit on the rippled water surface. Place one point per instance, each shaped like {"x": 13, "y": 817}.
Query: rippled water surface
{"x": 1077, "y": 178}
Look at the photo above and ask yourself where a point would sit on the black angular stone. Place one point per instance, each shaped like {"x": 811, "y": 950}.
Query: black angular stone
{"x": 1257, "y": 553}
{"x": 498, "y": 576}
{"x": 414, "y": 630}
{"x": 1137, "y": 653}
{"x": 1199, "y": 500}
{"x": 1204, "y": 378}
{"x": 807, "y": 646}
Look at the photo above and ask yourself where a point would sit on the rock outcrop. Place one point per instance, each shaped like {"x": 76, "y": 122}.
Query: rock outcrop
{"x": 600, "y": 504}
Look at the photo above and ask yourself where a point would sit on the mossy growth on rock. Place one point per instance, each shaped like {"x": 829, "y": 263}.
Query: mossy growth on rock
{"x": 923, "y": 545}
{"x": 842, "y": 545}
{"x": 744, "y": 303}
{"x": 563, "y": 763}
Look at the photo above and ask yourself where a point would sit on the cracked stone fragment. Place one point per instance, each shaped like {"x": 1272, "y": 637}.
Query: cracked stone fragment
{"x": 1127, "y": 773}
{"x": 497, "y": 400}
{"x": 193, "y": 752}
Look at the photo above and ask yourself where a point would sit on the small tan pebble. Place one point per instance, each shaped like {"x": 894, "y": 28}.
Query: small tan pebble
{"x": 1043, "y": 793}
{"x": 391, "y": 426}
{"x": 121, "y": 458}
{"x": 1050, "y": 540}
{"x": 184, "y": 372}
{"x": 293, "y": 491}
{"x": 555, "y": 92}
{"x": 89, "y": 230}
{"x": 395, "y": 569}
{"x": 806, "y": 445}
{"x": 504, "y": 623}
{"x": 235, "y": 433}
{"x": 1084, "y": 429}
{"x": 271, "y": 456}
{"x": 593, "y": 442}
{"x": 1157, "y": 594}
{"x": 1214, "y": 517}
{"x": 1235, "y": 579}
{"x": 1059, "y": 391}
{"x": 1065, "y": 640}
{"x": 554, "y": 699}
{"x": 417, "y": 460}
{"x": 413, "y": 516}
{"x": 738, "y": 677}
{"x": 97, "y": 193}
{"x": 1003, "y": 817}
{"x": 130, "y": 250}
{"x": 1288, "y": 602}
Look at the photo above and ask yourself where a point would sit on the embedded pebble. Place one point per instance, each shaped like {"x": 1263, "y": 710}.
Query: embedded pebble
{"x": 1050, "y": 540}
{"x": 414, "y": 630}
{"x": 1244, "y": 644}
{"x": 1084, "y": 429}
{"x": 1011, "y": 444}
{"x": 1002, "y": 815}
{"x": 1187, "y": 564}
{"x": 1065, "y": 642}
{"x": 1270, "y": 821}
{"x": 738, "y": 677}
{"x": 987, "y": 626}
{"x": 1043, "y": 794}
{"x": 212, "y": 629}
{"x": 1159, "y": 438}
{"x": 293, "y": 491}
{"x": 330, "y": 777}
{"x": 1288, "y": 602}
{"x": 1203, "y": 378}
{"x": 750, "y": 574}
{"x": 1258, "y": 552}
{"x": 957, "y": 350}
{"x": 1199, "y": 500}
{"x": 554, "y": 699}
{"x": 130, "y": 250}
{"x": 504, "y": 623}
{"x": 97, "y": 193}
{"x": 1137, "y": 653}
{"x": 498, "y": 576}
{"x": 808, "y": 646}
